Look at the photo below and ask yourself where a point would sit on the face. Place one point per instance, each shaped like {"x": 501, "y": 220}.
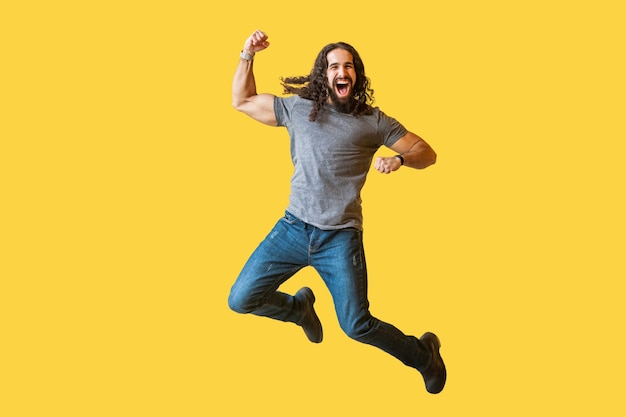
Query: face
{"x": 341, "y": 75}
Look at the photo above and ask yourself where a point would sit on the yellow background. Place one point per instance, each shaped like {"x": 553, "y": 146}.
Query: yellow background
{"x": 132, "y": 193}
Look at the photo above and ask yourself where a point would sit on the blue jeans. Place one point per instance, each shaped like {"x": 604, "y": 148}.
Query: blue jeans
{"x": 338, "y": 256}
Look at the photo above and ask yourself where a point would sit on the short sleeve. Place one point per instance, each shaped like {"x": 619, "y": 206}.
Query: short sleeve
{"x": 283, "y": 107}
{"x": 389, "y": 129}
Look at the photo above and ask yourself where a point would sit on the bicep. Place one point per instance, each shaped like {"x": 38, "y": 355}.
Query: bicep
{"x": 261, "y": 108}
{"x": 407, "y": 142}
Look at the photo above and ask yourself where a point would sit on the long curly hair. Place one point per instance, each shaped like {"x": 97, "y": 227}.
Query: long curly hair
{"x": 315, "y": 85}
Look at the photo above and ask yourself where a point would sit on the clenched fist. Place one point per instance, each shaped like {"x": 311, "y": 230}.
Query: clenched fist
{"x": 387, "y": 165}
{"x": 256, "y": 42}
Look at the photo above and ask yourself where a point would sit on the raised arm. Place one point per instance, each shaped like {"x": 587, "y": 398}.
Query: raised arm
{"x": 414, "y": 150}
{"x": 245, "y": 97}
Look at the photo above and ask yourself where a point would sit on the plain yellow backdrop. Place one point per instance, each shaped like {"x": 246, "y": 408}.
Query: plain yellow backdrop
{"x": 132, "y": 194}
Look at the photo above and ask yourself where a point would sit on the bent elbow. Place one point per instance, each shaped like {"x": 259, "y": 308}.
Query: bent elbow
{"x": 236, "y": 105}
{"x": 241, "y": 105}
{"x": 427, "y": 160}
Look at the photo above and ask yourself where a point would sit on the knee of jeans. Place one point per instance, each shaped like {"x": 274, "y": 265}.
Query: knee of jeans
{"x": 238, "y": 303}
{"x": 358, "y": 330}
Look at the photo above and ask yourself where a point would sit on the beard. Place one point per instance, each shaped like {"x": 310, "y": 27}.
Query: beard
{"x": 342, "y": 107}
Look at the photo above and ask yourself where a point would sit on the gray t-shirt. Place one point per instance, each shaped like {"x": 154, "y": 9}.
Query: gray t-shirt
{"x": 331, "y": 158}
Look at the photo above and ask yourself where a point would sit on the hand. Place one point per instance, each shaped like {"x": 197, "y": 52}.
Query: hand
{"x": 256, "y": 42}
{"x": 387, "y": 165}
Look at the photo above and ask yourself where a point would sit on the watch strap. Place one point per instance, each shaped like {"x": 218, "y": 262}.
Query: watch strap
{"x": 246, "y": 56}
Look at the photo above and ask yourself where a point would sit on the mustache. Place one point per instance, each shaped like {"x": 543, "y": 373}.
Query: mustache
{"x": 343, "y": 79}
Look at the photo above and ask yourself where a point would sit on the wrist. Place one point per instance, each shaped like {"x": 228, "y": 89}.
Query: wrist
{"x": 247, "y": 55}
{"x": 401, "y": 158}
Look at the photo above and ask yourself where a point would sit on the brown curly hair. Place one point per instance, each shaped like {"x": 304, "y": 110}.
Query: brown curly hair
{"x": 315, "y": 85}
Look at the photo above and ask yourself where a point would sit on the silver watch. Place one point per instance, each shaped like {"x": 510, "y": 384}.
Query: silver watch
{"x": 246, "y": 56}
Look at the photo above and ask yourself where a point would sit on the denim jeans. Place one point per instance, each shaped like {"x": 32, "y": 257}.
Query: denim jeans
{"x": 338, "y": 257}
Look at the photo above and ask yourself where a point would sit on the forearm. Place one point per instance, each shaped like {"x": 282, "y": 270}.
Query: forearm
{"x": 412, "y": 151}
{"x": 244, "y": 85}
{"x": 420, "y": 155}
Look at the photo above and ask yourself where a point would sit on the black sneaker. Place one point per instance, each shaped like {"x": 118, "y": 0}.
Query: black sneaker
{"x": 309, "y": 322}
{"x": 435, "y": 373}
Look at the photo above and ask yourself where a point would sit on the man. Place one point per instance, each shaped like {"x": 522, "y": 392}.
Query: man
{"x": 334, "y": 132}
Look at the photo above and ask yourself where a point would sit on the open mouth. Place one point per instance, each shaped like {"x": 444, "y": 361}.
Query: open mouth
{"x": 343, "y": 87}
